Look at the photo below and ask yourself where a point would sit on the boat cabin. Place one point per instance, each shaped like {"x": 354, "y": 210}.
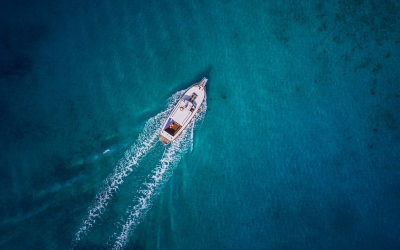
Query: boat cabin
{"x": 172, "y": 127}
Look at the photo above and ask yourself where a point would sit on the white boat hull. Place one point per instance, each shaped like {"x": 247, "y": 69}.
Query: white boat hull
{"x": 184, "y": 112}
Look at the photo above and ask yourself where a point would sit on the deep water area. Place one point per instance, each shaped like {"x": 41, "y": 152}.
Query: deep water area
{"x": 298, "y": 147}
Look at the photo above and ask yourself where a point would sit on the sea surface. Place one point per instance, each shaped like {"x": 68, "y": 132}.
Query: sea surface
{"x": 296, "y": 147}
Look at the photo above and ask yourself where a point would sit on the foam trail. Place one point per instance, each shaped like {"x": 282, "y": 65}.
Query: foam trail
{"x": 159, "y": 176}
{"x": 170, "y": 158}
{"x": 146, "y": 141}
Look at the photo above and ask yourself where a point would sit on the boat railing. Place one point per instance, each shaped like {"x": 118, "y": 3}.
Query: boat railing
{"x": 203, "y": 82}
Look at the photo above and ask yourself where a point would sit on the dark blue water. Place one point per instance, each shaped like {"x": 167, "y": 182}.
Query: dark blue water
{"x": 299, "y": 147}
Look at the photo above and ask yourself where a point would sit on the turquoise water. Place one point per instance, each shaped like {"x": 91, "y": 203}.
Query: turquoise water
{"x": 299, "y": 147}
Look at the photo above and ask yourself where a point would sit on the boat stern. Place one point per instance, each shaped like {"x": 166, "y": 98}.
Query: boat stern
{"x": 164, "y": 140}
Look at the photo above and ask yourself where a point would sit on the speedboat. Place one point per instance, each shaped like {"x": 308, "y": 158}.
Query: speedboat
{"x": 184, "y": 112}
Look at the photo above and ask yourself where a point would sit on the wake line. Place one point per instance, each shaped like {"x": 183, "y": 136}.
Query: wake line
{"x": 146, "y": 141}
{"x": 170, "y": 157}
{"x": 160, "y": 175}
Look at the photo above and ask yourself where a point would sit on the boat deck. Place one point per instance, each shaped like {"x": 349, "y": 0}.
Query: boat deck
{"x": 183, "y": 112}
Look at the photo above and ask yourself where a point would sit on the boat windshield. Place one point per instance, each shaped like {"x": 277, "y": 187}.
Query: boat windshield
{"x": 172, "y": 127}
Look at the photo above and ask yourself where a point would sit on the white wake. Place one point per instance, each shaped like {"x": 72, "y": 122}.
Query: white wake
{"x": 146, "y": 141}
{"x": 159, "y": 176}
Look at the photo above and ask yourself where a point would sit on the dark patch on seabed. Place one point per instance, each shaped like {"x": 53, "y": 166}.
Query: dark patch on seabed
{"x": 15, "y": 65}
{"x": 17, "y": 48}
